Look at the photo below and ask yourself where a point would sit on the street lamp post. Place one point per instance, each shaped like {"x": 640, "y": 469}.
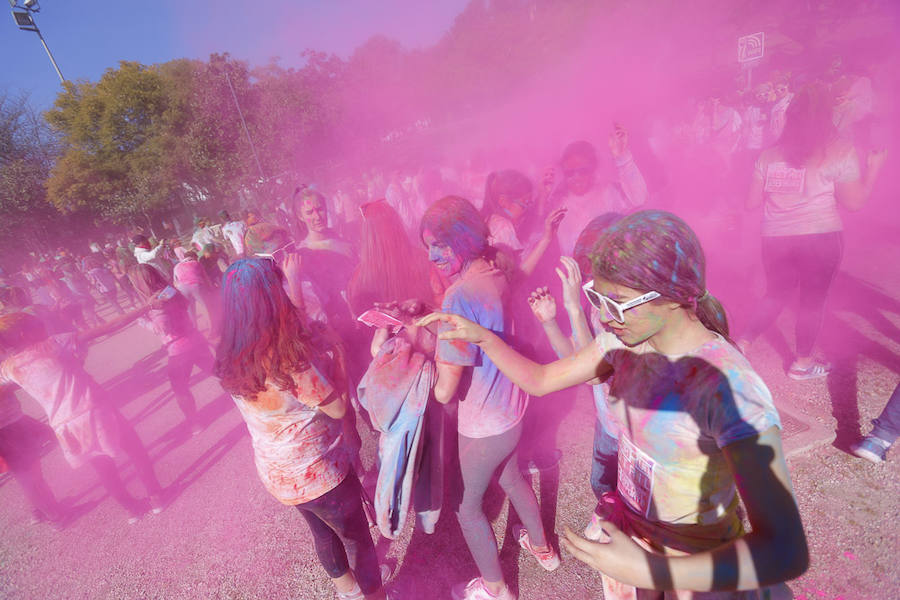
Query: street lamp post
{"x": 25, "y": 22}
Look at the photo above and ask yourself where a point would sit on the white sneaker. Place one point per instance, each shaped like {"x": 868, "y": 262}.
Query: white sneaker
{"x": 476, "y": 590}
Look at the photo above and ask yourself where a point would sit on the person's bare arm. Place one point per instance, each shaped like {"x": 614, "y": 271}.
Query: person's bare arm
{"x": 551, "y": 226}
{"x": 335, "y": 406}
{"x": 533, "y": 378}
{"x": 853, "y": 194}
{"x": 775, "y": 551}
{"x": 571, "y": 286}
{"x": 448, "y": 377}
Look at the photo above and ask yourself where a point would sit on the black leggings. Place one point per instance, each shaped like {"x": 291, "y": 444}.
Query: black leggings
{"x": 341, "y": 534}
{"x": 179, "y": 371}
{"x": 109, "y": 474}
{"x": 806, "y": 263}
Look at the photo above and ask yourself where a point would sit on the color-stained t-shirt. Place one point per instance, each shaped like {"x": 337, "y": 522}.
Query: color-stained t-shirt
{"x": 675, "y": 414}
{"x": 801, "y": 201}
{"x": 189, "y": 272}
{"x": 172, "y": 323}
{"x": 52, "y": 374}
{"x": 298, "y": 449}
{"x": 10, "y": 409}
{"x": 492, "y": 403}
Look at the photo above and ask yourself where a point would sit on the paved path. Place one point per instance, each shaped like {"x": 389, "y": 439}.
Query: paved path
{"x": 223, "y": 536}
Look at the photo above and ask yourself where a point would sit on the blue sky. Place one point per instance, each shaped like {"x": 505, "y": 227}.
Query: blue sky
{"x": 87, "y": 37}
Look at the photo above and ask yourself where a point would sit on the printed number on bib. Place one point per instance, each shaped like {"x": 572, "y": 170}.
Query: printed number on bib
{"x": 635, "y": 479}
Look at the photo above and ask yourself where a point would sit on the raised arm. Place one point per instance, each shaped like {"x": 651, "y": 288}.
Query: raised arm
{"x": 571, "y": 286}
{"x": 543, "y": 305}
{"x": 531, "y": 377}
{"x": 551, "y": 226}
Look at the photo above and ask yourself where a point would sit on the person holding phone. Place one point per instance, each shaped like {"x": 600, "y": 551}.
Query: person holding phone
{"x": 490, "y": 406}
{"x": 697, "y": 426}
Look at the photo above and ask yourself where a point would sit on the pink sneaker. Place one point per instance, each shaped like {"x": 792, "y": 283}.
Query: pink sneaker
{"x": 546, "y": 558}
{"x": 476, "y": 590}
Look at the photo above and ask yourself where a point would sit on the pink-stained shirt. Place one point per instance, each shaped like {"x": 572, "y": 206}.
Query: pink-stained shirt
{"x": 675, "y": 414}
{"x": 190, "y": 273}
{"x": 492, "y": 404}
{"x": 298, "y": 449}
{"x": 52, "y": 374}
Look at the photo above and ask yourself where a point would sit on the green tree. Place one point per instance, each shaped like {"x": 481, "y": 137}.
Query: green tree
{"x": 27, "y": 150}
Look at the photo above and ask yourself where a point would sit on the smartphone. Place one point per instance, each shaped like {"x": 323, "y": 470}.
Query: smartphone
{"x": 376, "y": 318}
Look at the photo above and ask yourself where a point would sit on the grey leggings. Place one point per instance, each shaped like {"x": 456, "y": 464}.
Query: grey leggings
{"x": 479, "y": 459}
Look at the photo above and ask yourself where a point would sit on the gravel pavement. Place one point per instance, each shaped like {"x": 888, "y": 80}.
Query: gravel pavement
{"x": 223, "y": 536}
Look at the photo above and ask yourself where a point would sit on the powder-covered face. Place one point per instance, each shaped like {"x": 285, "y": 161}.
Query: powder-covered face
{"x": 641, "y": 322}
{"x": 579, "y": 174}
{"x": 314, "y": 215}
{"x": 514, "y": 207}
{"x": 442, "y": 255}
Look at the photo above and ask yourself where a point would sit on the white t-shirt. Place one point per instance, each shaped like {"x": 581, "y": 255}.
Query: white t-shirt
{"x": 234, "y": 232}
{"x": 801, "y": 201}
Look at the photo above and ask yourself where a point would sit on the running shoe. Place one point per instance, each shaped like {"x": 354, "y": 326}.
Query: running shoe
{"x": 872, "y": 449}
{"x": 548, "y": 559}
{"x": 356, "y": 592}
{"x": 476, "y": 590}
{"x": 813, "y": 371}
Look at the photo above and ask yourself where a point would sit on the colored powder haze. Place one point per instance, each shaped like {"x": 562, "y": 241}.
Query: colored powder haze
{"x": 589, "y": 66}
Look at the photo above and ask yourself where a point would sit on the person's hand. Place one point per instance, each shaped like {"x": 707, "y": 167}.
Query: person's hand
{"x": 618, "y": 141}
{"x": 551, "y": 223}
{"x": 460, "y": 328}
{"x": 571, "y": 281}
{"x": 548, "y": 179}
{"x": 542, "y": 304}
{"x": 875, "y": 160}
{"x": 620, "y": 558}
{"x": 292, "y": 267}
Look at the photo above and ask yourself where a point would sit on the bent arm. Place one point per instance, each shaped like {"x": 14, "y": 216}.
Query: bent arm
{"x": 335, "y": 406}
{"x": 448, "y": 377}
{"x": 632, "y": 180}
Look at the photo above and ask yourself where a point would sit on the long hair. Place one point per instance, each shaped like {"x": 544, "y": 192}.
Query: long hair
{"x": 390, "y": 268}
{"x": 263, "y": 335}
{"x": 454, "y": 221}
{"x": 146, "y": 279}
{"x": 509, "y": 183}
{"x": 19, "y": 330}
{"x": 808, "y": 126}
{"x": 655, "y": 250}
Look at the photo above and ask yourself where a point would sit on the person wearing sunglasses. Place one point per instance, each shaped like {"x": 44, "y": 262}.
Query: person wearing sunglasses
{"x": 698, "y": 430}
{"x": 590, "y": 187}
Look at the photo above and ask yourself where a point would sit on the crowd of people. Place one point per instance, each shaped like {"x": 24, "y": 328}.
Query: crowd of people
{"x": 418, "y": 307}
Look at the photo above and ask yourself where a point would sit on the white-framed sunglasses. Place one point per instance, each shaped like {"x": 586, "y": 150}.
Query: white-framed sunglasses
{"x": 610, "y": 306}
{"x": 274, "y": 255}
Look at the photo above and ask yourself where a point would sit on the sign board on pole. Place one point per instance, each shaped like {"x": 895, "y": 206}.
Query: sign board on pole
{"x": 751, "y": 47}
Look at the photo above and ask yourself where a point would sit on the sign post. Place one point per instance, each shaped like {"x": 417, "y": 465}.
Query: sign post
{"x": 751, "y": 49}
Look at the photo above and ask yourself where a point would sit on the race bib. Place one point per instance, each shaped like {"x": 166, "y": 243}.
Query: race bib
{"x": 782, "y": 179}
{"x": 635, "y": 477}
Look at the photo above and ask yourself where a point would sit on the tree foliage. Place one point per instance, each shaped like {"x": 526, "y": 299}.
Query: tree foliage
{"x": 27, "y": 150}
